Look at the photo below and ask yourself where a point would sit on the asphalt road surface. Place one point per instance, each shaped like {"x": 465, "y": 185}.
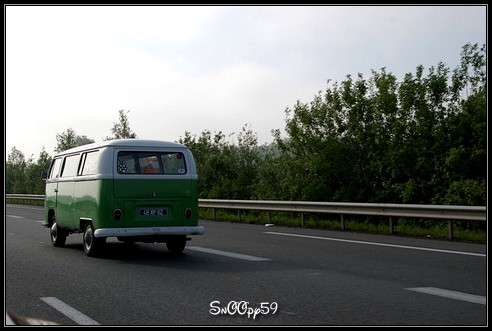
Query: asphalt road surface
{"x": 240, "y": 274}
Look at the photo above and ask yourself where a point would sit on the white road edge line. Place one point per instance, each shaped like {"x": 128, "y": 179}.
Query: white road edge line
{"x": 70, "y": 312}
{"x": 24, "y": 207}
{"x": 378, "y": 244}
{"x": 228, "y": 254}
{"x": 14, "y": 216}
{"x": 451, "y": 294}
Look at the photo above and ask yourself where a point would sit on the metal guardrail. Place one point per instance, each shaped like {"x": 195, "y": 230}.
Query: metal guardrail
{"x": 29, "y": 198}
{"x": 446, "y": 212}
{"x": 466, "y": 213}
{"x": 438, "y": 212}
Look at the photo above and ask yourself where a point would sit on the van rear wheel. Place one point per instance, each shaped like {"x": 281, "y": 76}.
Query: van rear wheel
{"x": 176, "y": 245}
{"x": 58, "y": 236}
{"x": 92, "y": 245}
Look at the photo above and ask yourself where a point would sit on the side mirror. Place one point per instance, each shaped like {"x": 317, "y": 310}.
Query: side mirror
{"x": 44, "y": 175}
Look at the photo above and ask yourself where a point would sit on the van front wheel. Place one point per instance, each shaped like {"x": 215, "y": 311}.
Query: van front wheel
{"x": 58, "y": 235}
{"x": 92, "y": 245}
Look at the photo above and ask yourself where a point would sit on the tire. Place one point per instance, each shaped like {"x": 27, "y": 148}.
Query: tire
{"x": 92, "y": 245}
{"x": 176, "y": 246}
{"x": 58, "y": 235}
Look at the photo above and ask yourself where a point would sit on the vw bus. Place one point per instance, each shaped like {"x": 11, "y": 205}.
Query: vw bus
{"x": 132, "y": 189}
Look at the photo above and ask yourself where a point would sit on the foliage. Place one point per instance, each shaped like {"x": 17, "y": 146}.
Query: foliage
{"x": 24, "y": 177}
{"x": 69, "y": 139}
{"x": 34, "y": 171}
{"x": 225, "y": 170}
{"x": 421, "y": 140}
{"x": 122, "y": 129}
{"x": 15, "y": 172}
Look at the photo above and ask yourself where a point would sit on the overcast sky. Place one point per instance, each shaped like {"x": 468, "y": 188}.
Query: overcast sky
{"x": 216, "y": 68}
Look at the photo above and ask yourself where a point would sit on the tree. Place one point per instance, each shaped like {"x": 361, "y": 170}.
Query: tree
{"x": 15, "y": 172}
{"x": 212, "y": 165}
{"x": 246, "y": 163}
{"x": 69, "y": 139}
{"x": 225, "y": 170}
{"x": 35, "y": 183}
{"x": 82, "y": 140}
{"x": 122, "y": 129}
{"x": 422, "y": 140}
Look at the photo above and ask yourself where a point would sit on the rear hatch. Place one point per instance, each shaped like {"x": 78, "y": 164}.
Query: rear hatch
{"x": 153, "y": 202}
{"x": 153, "y": 188}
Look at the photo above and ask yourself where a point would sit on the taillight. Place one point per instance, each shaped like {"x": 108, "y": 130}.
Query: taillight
{"x": 117, "y": 214}
{"x": 188, "y": 213}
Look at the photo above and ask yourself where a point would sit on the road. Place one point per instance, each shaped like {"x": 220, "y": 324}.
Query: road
{"x": 242, "y": 274}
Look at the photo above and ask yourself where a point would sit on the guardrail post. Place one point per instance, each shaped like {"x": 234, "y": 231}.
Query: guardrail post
{"x": 302, "y": 220}
{"x": 239, "y": 215}
{"x": 342, "y": 222}
{"x": 390, "y": 225}
{"x": 450, "y": 230}
{"x": 269, "y": 217}
{"x": 213, "y": 214}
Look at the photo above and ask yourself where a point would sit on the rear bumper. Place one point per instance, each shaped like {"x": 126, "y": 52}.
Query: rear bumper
{"x": 150, "y": 231}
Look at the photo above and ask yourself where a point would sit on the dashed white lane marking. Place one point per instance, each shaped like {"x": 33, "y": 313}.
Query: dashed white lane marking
{"x": 378, "y": 244}
{"x": 70, "y": 312}
{"x": 450, "y": 294}
{"x": 228, "y": 254}
{"x": 14, "y": 216}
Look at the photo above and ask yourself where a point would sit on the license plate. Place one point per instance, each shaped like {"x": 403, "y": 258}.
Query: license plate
{"x": 153, "y": 211}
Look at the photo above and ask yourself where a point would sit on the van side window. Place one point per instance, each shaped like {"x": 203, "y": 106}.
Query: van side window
{"x": 70, "y": 166}
{"x": 55, "y": 168}
{"x": 168, "y": 163}
{"x": 89, "y": 166}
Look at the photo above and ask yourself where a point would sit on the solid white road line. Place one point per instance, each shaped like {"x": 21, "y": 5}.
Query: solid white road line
{"x": 14, "y": 216}
{"x": 378, "y": 244}
{"x": 228, "y": 254}
{"x": 70, "y": 312}
{"x": 450, "y": 294}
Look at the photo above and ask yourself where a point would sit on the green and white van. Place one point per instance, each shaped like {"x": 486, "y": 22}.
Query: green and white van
{"x": 132, "y": 189}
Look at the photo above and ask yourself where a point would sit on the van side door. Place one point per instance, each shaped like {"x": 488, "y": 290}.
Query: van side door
{"x": 51, "y": 190}
{"x": 65, "y": 195}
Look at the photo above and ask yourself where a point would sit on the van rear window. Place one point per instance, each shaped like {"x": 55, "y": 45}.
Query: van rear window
{"x": 163, "y": 163}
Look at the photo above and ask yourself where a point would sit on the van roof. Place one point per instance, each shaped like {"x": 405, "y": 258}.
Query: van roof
{"x": 140, "y": 143}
